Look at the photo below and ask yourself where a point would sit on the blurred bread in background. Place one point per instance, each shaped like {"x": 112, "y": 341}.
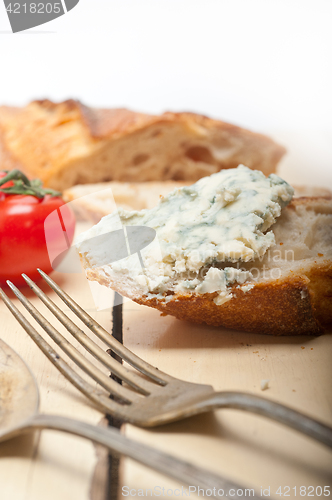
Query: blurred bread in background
{"x": 68, "y": 143}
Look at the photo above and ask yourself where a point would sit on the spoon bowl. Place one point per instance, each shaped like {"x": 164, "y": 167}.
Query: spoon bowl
{"x": 19, "y": 395}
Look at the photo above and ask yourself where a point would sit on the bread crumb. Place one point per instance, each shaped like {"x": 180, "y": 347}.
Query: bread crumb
{"x": 264, "y": 384}
{"x": 302, "y": 347}
{"x": 311, "y": 348}
{"x": 163, "y": 314}
{"x": 281, "y": 243}
{"x": 320, "y": 255}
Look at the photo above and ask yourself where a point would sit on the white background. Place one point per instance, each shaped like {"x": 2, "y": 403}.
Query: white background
{"x": 262, "y": 64}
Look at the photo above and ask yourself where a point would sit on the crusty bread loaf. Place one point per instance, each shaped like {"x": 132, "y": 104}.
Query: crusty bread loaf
{"x": 292, "y": 290}
{"x": 68, "y": 143}
{"x": 94, "y": 201}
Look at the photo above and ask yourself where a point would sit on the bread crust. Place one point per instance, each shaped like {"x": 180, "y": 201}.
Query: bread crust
{"x": 299, "y": 304}
{"x": 285, "y": 307}
{"x": 51, "y": 140}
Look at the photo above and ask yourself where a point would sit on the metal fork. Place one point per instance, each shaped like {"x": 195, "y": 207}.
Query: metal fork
{"x": 149, "y": 400}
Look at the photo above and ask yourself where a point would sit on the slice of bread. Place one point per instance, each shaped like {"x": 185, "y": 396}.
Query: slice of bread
{"x": 292, "y": 290}
{"x": 289, "y": 291}
{"x": 67, "y": 143}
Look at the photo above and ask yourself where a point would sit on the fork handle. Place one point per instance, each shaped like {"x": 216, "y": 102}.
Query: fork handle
{"x": 184, "y": 472}
{"x": 275, "y": 411}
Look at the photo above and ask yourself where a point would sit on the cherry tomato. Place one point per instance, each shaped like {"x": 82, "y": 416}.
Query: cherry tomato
{"x": 23, "y": 246}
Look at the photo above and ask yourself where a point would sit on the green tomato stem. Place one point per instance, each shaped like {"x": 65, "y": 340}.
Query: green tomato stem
{"x": 22, "y": 185}
{"x": 15, "y": 175}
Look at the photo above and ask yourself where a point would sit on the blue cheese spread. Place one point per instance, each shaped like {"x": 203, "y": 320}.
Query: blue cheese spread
{"x": 201, "y": 231}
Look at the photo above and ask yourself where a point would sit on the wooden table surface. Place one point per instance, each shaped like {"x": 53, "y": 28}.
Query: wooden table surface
{"x": 248, "y": 449}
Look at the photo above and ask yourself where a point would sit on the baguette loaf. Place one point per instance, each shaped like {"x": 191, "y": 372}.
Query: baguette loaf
{"x": 289, "y": 290}
{"x": 67, "y": 143}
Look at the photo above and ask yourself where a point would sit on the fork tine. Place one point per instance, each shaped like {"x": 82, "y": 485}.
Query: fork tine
{"x": 101, "y": 399}
{"x": 109, "y": 384}
{"x": 133, "y": 379}
{"x": 131, "y": 358}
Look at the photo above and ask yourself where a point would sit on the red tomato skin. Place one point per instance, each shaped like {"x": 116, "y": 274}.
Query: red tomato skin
{"x": 23, "y": 246}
